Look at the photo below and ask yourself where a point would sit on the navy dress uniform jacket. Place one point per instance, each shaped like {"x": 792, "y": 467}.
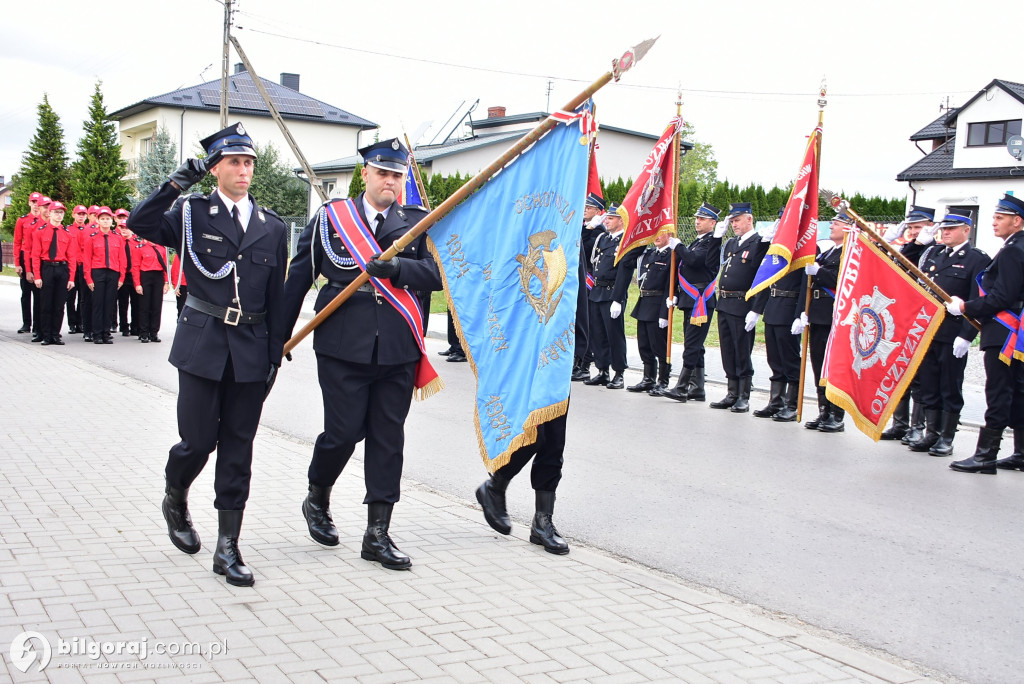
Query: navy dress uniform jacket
{"x": 1004, "y": 289}
{"x": 611, "y": 280}
{"x": 957, "y": 274}
{"x": 698, "y": 263}
{"x": 785, "y": 301}
{"x": 652, "y": 276}
{"x": 741, "y": 261}
{"x": 822, "y": 303}
{"x": 364, "y": 321}
{"x": 202, "y": 343}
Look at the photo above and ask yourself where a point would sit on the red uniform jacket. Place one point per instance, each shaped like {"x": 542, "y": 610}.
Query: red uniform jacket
{"x": 67, "y": 249}
{"x": 144, "y": 259}
{"x": 176, "y": 271}
{"x": 22, "y": 239}
{"x": 94, "y": 255}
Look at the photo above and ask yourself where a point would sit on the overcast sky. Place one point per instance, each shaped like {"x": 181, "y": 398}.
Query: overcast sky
{"x": 749, "y": 70}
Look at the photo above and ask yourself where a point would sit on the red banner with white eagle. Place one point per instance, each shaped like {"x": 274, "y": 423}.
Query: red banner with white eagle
{"x": 648, "y": 208}
{"x": 882, "y": 325}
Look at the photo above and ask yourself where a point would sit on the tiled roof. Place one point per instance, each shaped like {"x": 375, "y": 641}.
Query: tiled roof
{"x": 942, "y": 127}
{"x": 244, "y": 98}
{"x": 428, "y": 153}
{"x": 939, "y": 165}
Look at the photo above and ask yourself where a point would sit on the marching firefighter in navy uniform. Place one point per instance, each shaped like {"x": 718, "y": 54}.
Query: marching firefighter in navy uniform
{"x": 608, "y": 298}
{"x": 367, "y": 354}
{"x": 825, "y": 271}
{"x": 698, "y": 268}
{"x": 1002, "y": 288}
{"x": 955, "y": 268}
{"x": 230, "y": 337}
{"x": 593, "y": 227}
{"x": 782, "y": 328}
{"x": 741, "y": 257}
{"x": 653, "y": 268}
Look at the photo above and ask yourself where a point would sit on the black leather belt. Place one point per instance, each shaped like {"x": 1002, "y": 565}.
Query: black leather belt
{"x": 652, "y": 293}
{"x": 731, "y": 294}
{"x": 783, "y": 293}
{"x": 365, "y": 287}
{"x": 820, "y": 294}
{"x": 604, "y": 283}
{"x": 56, "y": 263}
{"x": 229, "y": 315}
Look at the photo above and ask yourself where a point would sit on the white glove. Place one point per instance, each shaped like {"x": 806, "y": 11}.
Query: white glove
{"x": 721, "y": 229}
{"x": 960, "y": 347}
{"x": 751, "y": 320}
{"x": 769, "y": 234}
{"x": 955, "y": 306}
{"x": 812, "y": 268}
{"x": 596, "y": 222}
{"x": 615, "y": 309}
{"x": 672, "y": 242}
{"x": 895, "y": 231}
{"x": 927, "y": 235}
{"x": 670, "y": 302}
{"x": 662, "y": 322}
{"x": 799, "y": 325}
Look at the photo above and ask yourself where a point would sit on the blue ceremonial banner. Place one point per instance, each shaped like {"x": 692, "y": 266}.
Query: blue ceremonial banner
{"x": 412, "y": 191}
{"x": 509, "y": 258}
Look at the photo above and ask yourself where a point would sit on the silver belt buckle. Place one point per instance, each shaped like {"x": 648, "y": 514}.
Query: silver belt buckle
{"x": 232, "y": 316}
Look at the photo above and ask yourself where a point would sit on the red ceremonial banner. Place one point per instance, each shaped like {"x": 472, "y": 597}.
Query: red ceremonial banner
{"x": 881, "y": 328}
{"x": 647, "y": 207}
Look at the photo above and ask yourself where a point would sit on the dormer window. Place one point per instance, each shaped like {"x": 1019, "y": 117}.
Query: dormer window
{"x": 992, "y": 132}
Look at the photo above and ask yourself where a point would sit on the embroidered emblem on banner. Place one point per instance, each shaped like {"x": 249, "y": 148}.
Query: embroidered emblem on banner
{"x": 548, "y": 267}
{"x": 871, "y": 331}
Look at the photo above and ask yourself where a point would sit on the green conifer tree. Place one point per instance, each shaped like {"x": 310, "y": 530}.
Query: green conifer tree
{"x": 97, "y": 176}
{"x": 155, "y": 167}
{"x": 357, "y": 184}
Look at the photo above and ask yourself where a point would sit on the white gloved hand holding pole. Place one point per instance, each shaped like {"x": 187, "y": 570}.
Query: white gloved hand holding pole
{"x": 799, "y": 325}
{"x": 960, "y": 347}
{"x": 750, "y": 322}
{"x": 955, "y": 306}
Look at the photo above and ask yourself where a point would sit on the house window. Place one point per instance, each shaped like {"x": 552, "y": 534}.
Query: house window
{"x": 991, "y": 132}
{"x": 145, "y": 146}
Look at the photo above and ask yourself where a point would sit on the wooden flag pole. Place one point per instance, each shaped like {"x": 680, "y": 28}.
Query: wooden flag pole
{"x": 675, "y": 217}
{"x": 619, "y": 67}
{"x": 807, "y": 300}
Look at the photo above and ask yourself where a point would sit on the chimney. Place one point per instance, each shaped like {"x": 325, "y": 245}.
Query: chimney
{"x": 290, "y": 81}
{"x": 239, "y": 68}
{"x": 495, "y": 112}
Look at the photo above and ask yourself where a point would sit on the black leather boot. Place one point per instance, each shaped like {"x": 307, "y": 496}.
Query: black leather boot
{"x": 823, "y": 409}
{"x": 731, "y": 395}
{"x": 787, "y": 414}
{"x": 316, "y": 509}
{"x": 581, "y": 371}
{"x": 682, "y": 386}
{"x": 227, "y": 560}
{"x": 900, "y": 420}
{"x": 944, "y": 446}
{"x": 377, "y": 544}
{"x": 600, "y": 379}
{"x": 491, "y": 497}
{"x": 696, "y": 389}
{"x": 984, "y": 458}
{"x": 664, "y": 372}
{"x": 616, "y": 382}
{"x": 543, "y": 531}
{"x": 775, "y": 400}
{"x": 932, "y": 420}
{"x": 916, "y": 430}
{"x": 742, "y": 404}
{"x": 1014, "y": 461}
{"x": 648, "y": 380}
{"x": 179, "y": 522}
{"x": 834, "y": 420}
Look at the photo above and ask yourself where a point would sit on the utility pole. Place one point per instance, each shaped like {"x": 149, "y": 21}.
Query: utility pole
{"x": 224, "y": 66}
{"x": 548, "y": 106}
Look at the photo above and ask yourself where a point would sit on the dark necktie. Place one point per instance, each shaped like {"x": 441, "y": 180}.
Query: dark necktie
{"x": 238, "y": 223}
{"x": 106, "y": 250}
{"x": 377, "y": 223}
{"x": 53, "y": 244}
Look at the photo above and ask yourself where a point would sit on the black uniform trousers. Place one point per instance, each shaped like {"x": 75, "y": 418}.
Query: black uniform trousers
{"x": 151, "y": 302}
{"x": 652, "y": 342}
{"x": 1004, "y": 392}
{"x": 83, "y": 305}
{"x": 453, "y": 336}
{"x": 222, "y": 415}
{"x": 128, "y": 303}
{"x": 29, "y": 296}
{"x": 363, "y": 401}
{"x": 52, "y": 297}
{"x": 104, "y": 298}
{"x": 783, "y": 349}
{"x": 736, "y": 344}
{"x": 817, "y": 341}
{"x": 694, "y": 337}
{"x": 180, "y": 297}
{"x": 607, "y": 337}
{"x": 72, "y": 301}
{"x": 546, "y": 453}
{"x": 941, "y": 378}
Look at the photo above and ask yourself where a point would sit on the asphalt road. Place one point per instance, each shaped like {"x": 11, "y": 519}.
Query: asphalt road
{"x": 871, "y": 541}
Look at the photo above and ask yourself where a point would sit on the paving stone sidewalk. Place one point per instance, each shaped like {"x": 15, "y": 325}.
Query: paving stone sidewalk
{"x": 85, "y": 561}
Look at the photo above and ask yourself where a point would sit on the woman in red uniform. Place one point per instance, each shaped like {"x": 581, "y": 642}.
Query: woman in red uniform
{"x": 104, "y": 266}
{"x": 149, "y": 272}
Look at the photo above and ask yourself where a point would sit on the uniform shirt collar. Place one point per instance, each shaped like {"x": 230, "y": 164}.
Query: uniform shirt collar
{"x": 244, "y": 208}
{"x": 371, "y": 212}
{"x": 616, "y": 234}
{"x": 747, "y": 236}
{"x": 954, "y": 250}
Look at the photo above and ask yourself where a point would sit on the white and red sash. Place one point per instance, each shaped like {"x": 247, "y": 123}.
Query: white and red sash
{"x": 359, "y": 241}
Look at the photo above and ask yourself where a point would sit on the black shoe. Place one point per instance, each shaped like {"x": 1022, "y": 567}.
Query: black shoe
{"x": 316, "y": 509}
{"x": 126, "y": 333}
{"x": 787, "y": 414}
{"x": 24, "y": 329}
{"x": 1014, "y": 461}
{"x": 108, "y": 339}
{"x": 644, "y": 385}
{"x": 543, "y": 531}
{"x": 446, "y": 352}
{"x": 617, "y": 382}
{"x": 944, "y": 446}
{"x": 56, "y": 339}
{"x": 742, "y": 403}
{"x": 832, "y": 423}
{"x": 98, "y": 340}
{"x": 916, "y": 429}
{"x": 732, "y": 394}
{"x": 695, "y": 390}
{"x": 153, "y": 338}
{"x": 227, "y": 560}
{"x": 932, "y": 418}
{"x": 491, "y": 497}
{"x": 984, "y": 458}
{"x": 87, "y": 337}
{"x": 36, "y": 337}
{"x": 144, "y": 339}
{"x": 775, "y": 400}
{"x": 814, "y": 424}
{"x": 658, "y": 390}
{"x": 179, "y": 521}
{"x": 600, "y": 379}
{"x": 456, "y": 357}
{"x": 377, "y": 544}
{"x": 580, "y": 371}
{"x": 45, "y": 343}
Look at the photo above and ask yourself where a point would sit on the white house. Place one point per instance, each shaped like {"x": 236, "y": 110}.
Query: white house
{"x": 621, "y": 152}
{"x": 191, "y": 114}
{"x": 968, "y": 166}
